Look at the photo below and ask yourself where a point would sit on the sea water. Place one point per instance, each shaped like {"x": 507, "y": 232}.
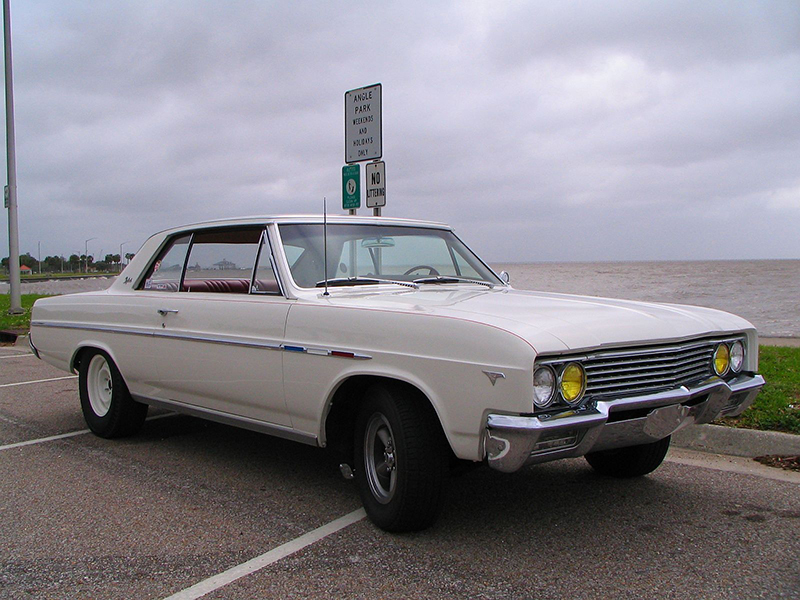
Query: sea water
{"x": 765, "y": 292}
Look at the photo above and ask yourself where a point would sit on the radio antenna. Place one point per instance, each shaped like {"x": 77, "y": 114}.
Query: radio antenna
{"x": 325, "y": 241}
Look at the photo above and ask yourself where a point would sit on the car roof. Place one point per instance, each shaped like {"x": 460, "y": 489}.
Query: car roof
{"x": 314, "y": 219}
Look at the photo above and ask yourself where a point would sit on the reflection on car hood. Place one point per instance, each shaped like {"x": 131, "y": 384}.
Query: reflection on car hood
{"x": 556, "y": 322}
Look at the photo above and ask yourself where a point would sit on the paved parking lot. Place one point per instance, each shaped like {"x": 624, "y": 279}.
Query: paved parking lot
{"x": 182, "y": 507}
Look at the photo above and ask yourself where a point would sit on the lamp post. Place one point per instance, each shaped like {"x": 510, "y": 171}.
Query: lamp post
{"x": 39, "y": 257}
{"x": 121, "y": 256}
{"x": 11, "y": 168}
{"x": 86, "y": 255}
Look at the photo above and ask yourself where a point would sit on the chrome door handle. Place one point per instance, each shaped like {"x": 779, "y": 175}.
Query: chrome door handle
{"x": 165, "y": 311}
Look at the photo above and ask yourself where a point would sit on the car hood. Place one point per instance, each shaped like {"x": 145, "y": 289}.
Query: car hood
{"x": 553, "y": 322}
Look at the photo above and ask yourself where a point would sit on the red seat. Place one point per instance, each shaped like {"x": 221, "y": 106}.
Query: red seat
{"x": 219, "y": 286}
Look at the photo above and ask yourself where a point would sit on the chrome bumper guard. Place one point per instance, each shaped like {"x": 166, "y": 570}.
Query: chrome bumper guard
{"x": 511, "y": 441}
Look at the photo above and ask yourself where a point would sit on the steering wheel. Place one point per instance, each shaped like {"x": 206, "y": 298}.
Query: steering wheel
{"x": 431, "y": 271}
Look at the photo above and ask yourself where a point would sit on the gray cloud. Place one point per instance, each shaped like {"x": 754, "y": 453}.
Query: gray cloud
{"x": 542, "y": 131}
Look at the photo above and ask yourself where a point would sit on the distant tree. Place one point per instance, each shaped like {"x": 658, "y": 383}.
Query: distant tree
{"x": 74, "y": 262}
{"x": 27, "y": 260}
{"x": 129, "y": 256}
{"x": 52, "y": 264}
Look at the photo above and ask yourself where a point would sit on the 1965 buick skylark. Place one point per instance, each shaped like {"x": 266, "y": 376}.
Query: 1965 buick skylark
{"x": 406, "y": 353}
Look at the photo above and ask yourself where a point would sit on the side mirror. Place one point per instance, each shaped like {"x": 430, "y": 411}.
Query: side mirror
{"x": 505, "y": 277}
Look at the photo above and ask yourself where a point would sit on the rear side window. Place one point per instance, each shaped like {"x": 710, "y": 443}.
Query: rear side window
{"x": 165, "y": 273}
{"x": 222, "y": 261}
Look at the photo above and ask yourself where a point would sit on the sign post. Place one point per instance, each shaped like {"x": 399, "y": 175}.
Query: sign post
{"x": 363, "y": 141}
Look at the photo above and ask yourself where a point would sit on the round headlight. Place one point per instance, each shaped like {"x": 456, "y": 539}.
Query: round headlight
{"x": 722, "y": 359}
{"x": 544, "y": 386}
{"x": 737, "y": 356}
{"x": 572, "y": 383}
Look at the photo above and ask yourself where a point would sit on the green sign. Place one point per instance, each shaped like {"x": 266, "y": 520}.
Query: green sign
{"x": 351, "y": 186}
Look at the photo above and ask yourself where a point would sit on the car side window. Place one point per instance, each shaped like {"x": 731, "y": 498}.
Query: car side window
{"x": 222, "y": 261}
{"x": 265, "y": 281}
{"x": 164, "y": 274}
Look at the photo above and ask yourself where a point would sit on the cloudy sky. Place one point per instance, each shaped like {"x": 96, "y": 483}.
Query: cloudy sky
{"x": 540, "y": 130}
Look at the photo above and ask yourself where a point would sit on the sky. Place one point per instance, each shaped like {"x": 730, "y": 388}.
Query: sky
{"x": 542, "y": 131}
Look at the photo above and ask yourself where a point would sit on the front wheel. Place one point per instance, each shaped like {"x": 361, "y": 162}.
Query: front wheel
{"x": 106, "y": 402}
{"x": 633, "y": 461}
{"x": 401, "y": 459}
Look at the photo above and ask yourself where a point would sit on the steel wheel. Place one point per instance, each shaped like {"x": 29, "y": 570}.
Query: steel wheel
{"x": 401, "y": 458}
{"x": 100, "y": 385}
{"x": 380, "y": 458}
{"x": 107, "y": 405}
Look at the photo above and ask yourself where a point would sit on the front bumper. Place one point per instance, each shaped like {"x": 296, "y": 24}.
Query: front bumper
{"x": 512, "y": 441}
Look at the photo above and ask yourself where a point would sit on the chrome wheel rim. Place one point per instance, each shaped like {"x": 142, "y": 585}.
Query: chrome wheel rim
{"x": 100, "y": 385}
{"x": 380, "y": 457}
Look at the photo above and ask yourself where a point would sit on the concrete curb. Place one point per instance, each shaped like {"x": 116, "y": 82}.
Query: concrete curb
{"x": 22, "y": 342}
{"x": 718, "y": 439}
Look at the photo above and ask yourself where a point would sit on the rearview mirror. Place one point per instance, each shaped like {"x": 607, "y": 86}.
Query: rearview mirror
{"x": 380, "y": 242}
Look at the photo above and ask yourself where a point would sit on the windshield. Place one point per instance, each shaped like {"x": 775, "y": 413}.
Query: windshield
{"x": 379, "y": 251}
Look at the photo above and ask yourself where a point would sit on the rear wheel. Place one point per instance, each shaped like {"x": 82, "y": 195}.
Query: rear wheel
{"x": 632, "y": 461}
{"x": 106, "y": 402}
{"x": 401, "y": 459}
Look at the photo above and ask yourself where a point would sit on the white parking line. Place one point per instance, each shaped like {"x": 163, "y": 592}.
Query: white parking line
{"x": 44, "y": 439}
{"x": 20, "y": 355}
{"x": 259, "y": 562}
{"x": 5, "y": 385}
{"x": 61, "y": 436}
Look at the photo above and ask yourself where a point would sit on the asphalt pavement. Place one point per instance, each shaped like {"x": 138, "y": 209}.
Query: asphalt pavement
{"x": 190, "y": 509}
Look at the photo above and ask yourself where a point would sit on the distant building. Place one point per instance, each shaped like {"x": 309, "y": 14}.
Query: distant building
{"x": 225, "y": 265}
{"x": 25, "y": 270}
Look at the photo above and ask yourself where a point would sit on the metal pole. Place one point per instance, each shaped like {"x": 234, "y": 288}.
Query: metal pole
{"x": 11, "y": 166}
{"x": 121, "y": 257}
{"x": 86, "y": 255}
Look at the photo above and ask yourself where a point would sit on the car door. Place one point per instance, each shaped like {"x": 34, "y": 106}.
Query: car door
{"x": 218, "y": 345}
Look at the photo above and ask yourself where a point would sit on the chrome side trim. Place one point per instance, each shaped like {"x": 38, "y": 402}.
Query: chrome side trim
{"x": 101, "y": 328}
{"x": 333, "y": 352}
{"x": 173, "y": 335}
{"x": 274, "y": 429}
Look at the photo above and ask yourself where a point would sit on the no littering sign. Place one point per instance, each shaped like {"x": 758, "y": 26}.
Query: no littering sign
{"x": 363, "y": 133}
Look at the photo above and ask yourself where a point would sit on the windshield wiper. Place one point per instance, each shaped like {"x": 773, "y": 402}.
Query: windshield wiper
{"x": 452, "y": 279}
{"x": 351, "y": 281}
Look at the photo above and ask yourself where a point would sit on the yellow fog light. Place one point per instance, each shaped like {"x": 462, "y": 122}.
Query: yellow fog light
{"x": 722, "y": 359}
{"x": 572, "y": 383}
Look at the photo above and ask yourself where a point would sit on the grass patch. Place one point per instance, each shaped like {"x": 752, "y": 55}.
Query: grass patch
{"x": 777, "y": 406}
{"x": 17, "y": 322}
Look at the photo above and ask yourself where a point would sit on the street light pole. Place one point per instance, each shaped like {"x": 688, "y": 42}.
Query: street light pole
{"x": 86, "y": 255}
{"x": 11, "y": 167}
{"x": 121, "y": 256}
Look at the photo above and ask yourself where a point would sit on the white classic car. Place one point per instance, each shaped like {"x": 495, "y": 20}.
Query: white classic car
{"x": 391, "y": 341}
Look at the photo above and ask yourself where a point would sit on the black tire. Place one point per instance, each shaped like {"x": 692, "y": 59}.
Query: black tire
{"x": 107, "y": 406}
{"x": 633, "y": 461}
{"x": 401, "y": 459}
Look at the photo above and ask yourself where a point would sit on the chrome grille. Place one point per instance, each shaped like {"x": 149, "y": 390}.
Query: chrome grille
{"x": 626, "y": 372}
